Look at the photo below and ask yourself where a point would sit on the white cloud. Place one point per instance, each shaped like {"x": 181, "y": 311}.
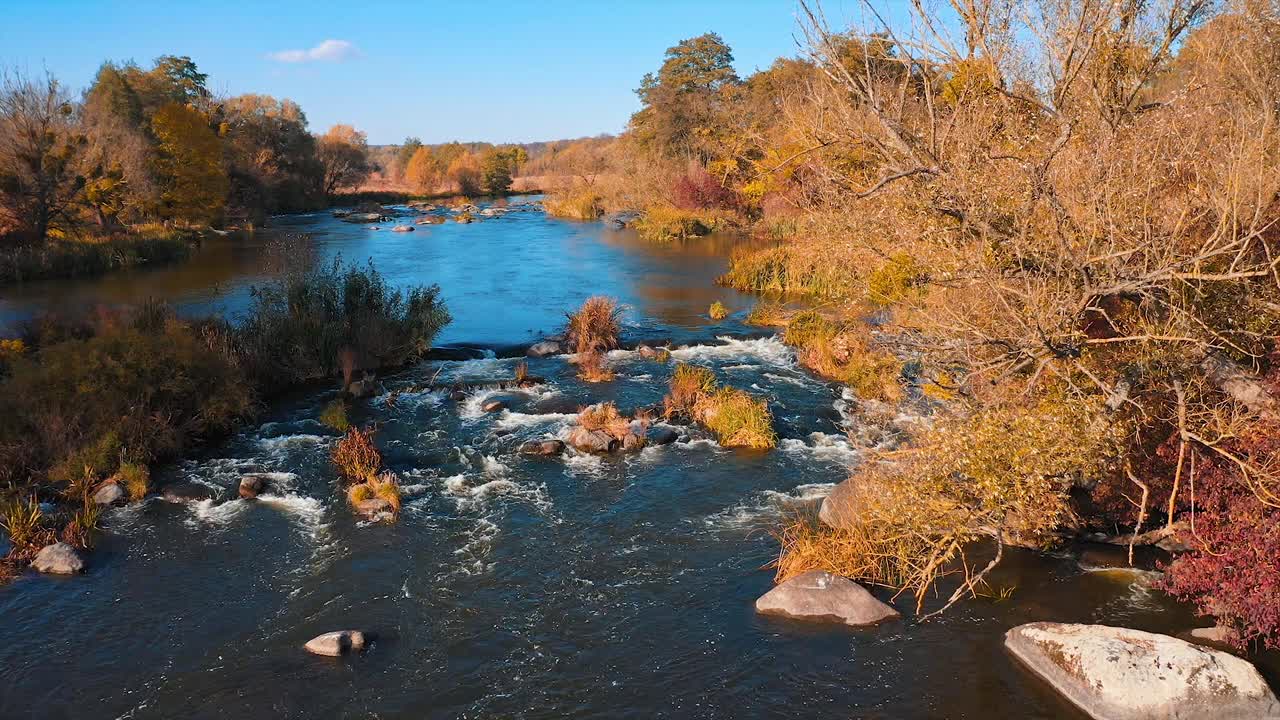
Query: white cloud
{"x": 329, "y": 50}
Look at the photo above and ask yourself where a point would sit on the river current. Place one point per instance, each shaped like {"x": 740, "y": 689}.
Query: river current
{"x": 511, "y": 586}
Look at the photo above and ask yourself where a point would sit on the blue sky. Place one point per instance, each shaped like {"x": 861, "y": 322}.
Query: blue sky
{"x": 496, "y": 71}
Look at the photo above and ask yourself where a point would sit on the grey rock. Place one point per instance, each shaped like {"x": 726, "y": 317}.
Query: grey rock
{"x": 633, "y": 442}
{"x": 662, "y": 436}
{"x": 1116, "y": 673}
{"x": 337, "y": 643}
{"x": 402, "y": 228}
{"x": 819, "y": 595}
{"x": 839, "y": 509}
{"x": 58, "y": 559}
{"x": 592, "y": 441}
{"x": 542, "y": 447}
{"x": 109, "y": 494}
{"x": 544, "y": 349}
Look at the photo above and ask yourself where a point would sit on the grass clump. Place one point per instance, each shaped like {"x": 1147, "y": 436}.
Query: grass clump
{"x": 718, "y": 311}
{"x": 334, "y": 415}
{"x": 736, "y": 417}
{"x": 786, "y": 269}
{"x": 605, "y": 418}
{"x": 808, "y": 328}
{"x": 667, "y": 224}
{"x": 383, "y": 487}
{"x": 845, "y": 355}
{"x": 24, "y": 523}
{"x": 94, "y": 255}
{"x": 356, "y": 456}
{"x": 576, "y": 204}
{"x": 766, "y": 314}
{"x": 135, "y": 478}
{"x": 594, "y": 330}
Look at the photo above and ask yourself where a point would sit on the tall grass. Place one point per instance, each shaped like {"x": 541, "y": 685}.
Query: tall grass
{"x": 65, "y": 258}
{"x": 791, "y": 269}
{"x": 383, "y": 487}
{"x": 736, "y": 417}
{"x": 356, "y": 456}
{"x": 605, "y": 418}
{"x": 663, "y": 223}
{"x": 316, "y": 324}
{"x": 594, "y": 330}
{"x": 579, "y": 203}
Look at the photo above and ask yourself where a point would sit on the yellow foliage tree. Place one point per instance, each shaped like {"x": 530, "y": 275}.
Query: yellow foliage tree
{"x": 194, "y": 181}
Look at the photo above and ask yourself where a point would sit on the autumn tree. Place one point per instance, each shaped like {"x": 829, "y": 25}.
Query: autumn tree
{"x": 423, "y": 171}
{"x": 39, "y": 144}
{"x": 464, "y": 172}
{"x": 498, "y": 165}
{"x": 189, "y": 163}
{"x": 344, "y": 153}
{"x": 404, "y": 155}
{"x": 272, "y": 158}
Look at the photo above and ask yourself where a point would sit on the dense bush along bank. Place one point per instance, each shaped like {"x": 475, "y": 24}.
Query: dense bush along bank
{"x": 1099, "y": 248}
{"x": 91, "y": 403}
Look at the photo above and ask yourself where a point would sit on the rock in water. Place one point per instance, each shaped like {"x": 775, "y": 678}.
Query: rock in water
{"x": 1116, "y": 673}
{"x": 544, "y": 349}
{"x": 58, "y": 559}
{"x": 402, "y": 228}
{"x": 376, "y": 509}
{"x": 839, "y": 509}
{"x": 182, "y": 492}
{"x": 109, "y": 494}
{"x": 592, "y": 441}
{"x": 336, "y": 644}
{"x": 633, "y": 442}
{"x": 662, "y": 436}
{"x": 819, "y": 595}
{"x": 542, "y": 447}
{"x": 494, "y": 406}
{"x": 251, "y": 486}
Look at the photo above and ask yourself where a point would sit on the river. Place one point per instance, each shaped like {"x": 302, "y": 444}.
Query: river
{"x": 511, "y": 587}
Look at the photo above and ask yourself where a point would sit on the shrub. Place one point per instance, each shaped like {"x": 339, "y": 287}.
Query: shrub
{"x": 895, "y": 280}
{"x": 135, "y": 479}
{"x": 143, "y": 389}
{"x": 738, "y": 419}
{"x": 580, "y": 203}
{"x": 356, "y": 456}
{"x": 23, "y": 522}
{"x": 65, "y": 258}
{"x": 718, "y": 311}
{"x": 1003, "y": 473}
{"x": 334, "y": 415}
{"x": 308, "y": 325}
{"x": 697, "y": 189}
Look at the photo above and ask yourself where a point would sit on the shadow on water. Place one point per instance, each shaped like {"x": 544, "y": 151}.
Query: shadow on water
{"x": 512, "y": 586}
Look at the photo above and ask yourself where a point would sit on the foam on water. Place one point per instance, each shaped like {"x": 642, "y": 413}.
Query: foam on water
{"x": 509, "y": 420}
{"x": 768, "y": 350}
{"x": 764, "y": 509}
{"x": 823, "y": 446}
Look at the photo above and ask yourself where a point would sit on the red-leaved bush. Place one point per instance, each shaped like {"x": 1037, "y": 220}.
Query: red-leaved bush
{"x": 698, "y": 189}
{"x": 1233, "y": 570}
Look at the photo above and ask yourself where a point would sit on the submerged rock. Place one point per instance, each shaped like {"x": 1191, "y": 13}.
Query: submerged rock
{"x": 402, "y": 228}
{"x": 184, "y": 492}
{"x": 251, "y": 486}
{"x": 58, "y": 559}
{"x": 819, "y": 595}
{"x": 839, "y": 509}
{"x": 494, "y": 406}
{"x": 633, "y": 442}
{"x": 592, "y": 441}
{"x": 544, "y": 349}
{"x": 375, "y": 509}
{"x": 109, "y": 494}
{"x": 337, "y": 644}
{"x": 1116, "y": 673}
{"x": 662, "y": 436}
{"x": 542, "y": 447}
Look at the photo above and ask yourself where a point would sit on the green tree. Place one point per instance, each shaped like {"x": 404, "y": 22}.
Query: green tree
{"x": 189, "y": 163}
{"x": 495, "y": 172}
{"x": 682, "y": 104}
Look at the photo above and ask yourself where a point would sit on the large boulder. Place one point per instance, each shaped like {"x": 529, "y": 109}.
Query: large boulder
{"x": 402, "y": 228}
{"x": 819, "y": 595}
{"x": 336, "y": 644}
{"x": 1116, "y": 673}
{"x": 253, "y": 485}
{"x": 592, "y": 441}
{"x": 545, "y": 448}
{"x": 58, "y": 559}
{"x": 663, "y": 436}
{"x": 544, "y": 349}
{"x": 839, "y": 509}
{"x": 109, "y": 494}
